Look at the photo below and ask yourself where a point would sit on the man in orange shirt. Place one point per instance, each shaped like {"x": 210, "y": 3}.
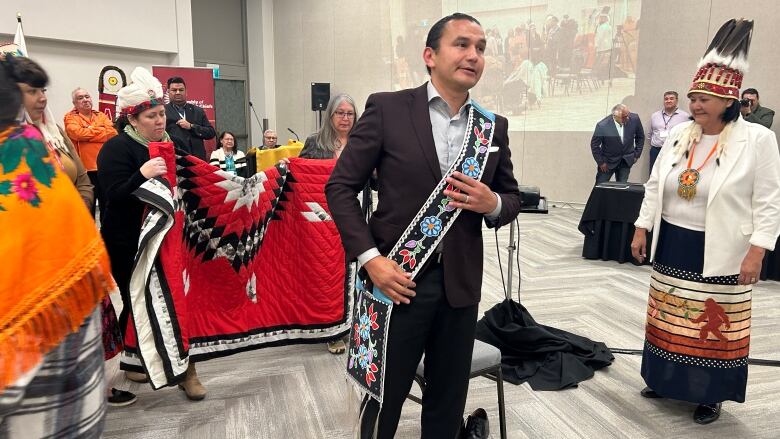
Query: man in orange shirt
{"x": 88, "y": 130}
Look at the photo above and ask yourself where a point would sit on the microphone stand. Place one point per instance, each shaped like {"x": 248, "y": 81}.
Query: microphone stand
{"x": 257, "y": 118}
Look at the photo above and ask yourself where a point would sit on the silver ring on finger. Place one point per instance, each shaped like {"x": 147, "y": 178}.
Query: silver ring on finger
{"x": 753, "y": 280}
{"x": 466, "y": 201}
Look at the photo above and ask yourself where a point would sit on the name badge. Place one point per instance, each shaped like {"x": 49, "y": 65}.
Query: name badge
{"x": 663, "y": 134}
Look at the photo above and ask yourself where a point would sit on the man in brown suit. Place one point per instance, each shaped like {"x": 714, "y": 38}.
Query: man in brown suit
{"x": 412, "y": 137}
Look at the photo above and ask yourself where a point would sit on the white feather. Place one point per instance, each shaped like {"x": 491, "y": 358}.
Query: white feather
{"x": 142, "y": 87}
{"x": 712, "y": 57}
{"x": 692, "y": 135}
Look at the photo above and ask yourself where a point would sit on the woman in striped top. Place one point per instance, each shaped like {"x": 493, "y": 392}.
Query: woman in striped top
{"x": 227, "y": 157}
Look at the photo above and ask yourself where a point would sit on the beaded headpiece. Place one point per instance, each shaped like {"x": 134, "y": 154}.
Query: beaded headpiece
{"x": 724, "y": 64}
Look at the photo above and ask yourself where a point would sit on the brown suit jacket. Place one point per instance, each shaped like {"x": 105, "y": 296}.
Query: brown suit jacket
{"x": 394, "y": 136}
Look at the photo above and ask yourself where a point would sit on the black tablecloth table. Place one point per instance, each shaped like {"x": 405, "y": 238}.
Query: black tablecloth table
{"x": 608, "y": 225}
{"x": 608, "y": 221}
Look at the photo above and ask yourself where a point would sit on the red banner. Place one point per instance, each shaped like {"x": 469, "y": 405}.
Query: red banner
{"x": 107, "y": 104}
{"x": 200, "y": 91}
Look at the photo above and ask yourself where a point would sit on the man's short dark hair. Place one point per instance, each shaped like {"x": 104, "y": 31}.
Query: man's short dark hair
{"x": 434, "y": 35}
{"x": 673, "y": 93}
{"x": 176, "y": 80}
{"x": 750, "y": 91}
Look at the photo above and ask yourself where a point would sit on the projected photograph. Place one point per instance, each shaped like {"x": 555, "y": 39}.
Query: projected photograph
{"x": 556, "y": 65}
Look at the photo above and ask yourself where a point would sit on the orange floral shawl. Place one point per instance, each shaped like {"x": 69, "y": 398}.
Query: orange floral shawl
{"x": 55, "y": 269}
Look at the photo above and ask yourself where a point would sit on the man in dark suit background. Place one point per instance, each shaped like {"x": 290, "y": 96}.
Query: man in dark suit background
{"x": 617, "y": 144}
{"x": 186, "y": 122}
{"x": 412, "y": 137}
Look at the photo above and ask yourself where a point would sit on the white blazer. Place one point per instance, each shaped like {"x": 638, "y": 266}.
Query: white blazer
{"x": 743, "y": 206}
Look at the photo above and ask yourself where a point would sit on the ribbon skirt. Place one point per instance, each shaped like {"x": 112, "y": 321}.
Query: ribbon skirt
{"x": 697, "y": 336}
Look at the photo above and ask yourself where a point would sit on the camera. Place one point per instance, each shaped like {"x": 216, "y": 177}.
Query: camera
{"x": 744, "y": 102}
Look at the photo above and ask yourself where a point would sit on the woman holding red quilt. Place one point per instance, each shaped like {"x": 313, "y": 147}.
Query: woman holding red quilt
{"x": 123, "y": 166}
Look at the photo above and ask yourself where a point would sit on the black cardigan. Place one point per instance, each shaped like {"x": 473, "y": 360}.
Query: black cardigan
{"x": 313, "y": 150}
{"x": 119, "y": 174}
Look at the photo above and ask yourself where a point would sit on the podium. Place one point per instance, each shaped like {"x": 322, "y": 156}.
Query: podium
{"x": 266, "y": 158}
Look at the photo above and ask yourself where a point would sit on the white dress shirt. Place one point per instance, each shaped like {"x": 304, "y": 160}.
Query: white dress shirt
{"x": 448, "y": 134}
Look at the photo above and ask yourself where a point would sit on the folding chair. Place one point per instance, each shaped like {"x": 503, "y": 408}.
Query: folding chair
{"x": 485, "y": 362}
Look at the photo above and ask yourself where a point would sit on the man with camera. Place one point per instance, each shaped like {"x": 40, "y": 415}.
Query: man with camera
{"x": 752, "y": 111}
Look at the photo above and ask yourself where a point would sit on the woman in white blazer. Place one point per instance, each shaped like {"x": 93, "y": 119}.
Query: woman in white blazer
{"x": 227, "y": 156}
{"x": 713, "y": 203}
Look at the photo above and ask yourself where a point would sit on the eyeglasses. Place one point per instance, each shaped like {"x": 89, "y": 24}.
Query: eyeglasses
{"x": 344, "y": 114}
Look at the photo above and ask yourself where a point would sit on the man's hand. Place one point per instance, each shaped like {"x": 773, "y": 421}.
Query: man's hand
{"x": 390, "y": 279}
{"x": 751, "y": 266}
{"x": 603, "y": 167}
{"x": 639, "y": 245}
{"x": 184, "y": 124}
{"x": 474, "y": 195}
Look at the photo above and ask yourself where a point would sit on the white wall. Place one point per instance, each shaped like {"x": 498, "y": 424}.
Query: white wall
{"x": 345, "y": 43}
{"x": 260, "y": 62}
{"x": 74, "y": 41}
{"x": 141, "y": 24}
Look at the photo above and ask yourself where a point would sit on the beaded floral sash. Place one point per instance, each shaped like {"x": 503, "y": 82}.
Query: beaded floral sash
{"x": 371, "y": 317}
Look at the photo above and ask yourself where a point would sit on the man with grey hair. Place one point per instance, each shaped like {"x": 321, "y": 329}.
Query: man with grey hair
{"x": 88, "y": 130}
{"x": 269, "y": 139}
{"x": 617, "y": 144}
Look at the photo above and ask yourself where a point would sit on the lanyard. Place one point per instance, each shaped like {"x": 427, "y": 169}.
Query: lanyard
{"x": 183, "y": 113}
{"x": 690, "y": 156}
{"x": 666, "y": 122}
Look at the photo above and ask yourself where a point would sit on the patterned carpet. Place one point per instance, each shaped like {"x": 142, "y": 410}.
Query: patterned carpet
{"x": 299, "y": 391}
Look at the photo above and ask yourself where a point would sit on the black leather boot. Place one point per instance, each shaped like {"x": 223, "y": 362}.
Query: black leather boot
{"x": 706, "y": 413}
{"x": 649, "y": 393}
{"x": 476, "y": 425}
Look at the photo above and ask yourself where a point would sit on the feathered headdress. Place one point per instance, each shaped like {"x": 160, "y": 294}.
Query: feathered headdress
{"x": 720, "y": 73}
{"x": 724, "y": 64}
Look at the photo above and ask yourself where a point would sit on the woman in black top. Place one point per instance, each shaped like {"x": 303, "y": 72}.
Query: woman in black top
{"x": 123, "y": 166}
{"x": 330, "y": 140}
{"x": 328, "y": 143}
